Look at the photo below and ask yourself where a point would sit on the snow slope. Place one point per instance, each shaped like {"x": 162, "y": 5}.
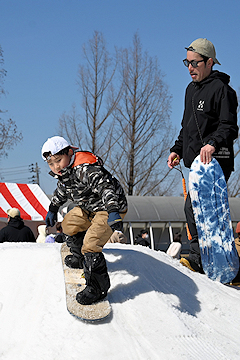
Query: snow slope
{"x": 161, "y": 310}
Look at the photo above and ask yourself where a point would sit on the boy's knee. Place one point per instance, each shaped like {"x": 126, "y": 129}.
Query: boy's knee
{"x": 70, "y": 230}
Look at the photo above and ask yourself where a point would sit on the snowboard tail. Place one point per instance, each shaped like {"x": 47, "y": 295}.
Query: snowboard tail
{"x": 75, "y": 283}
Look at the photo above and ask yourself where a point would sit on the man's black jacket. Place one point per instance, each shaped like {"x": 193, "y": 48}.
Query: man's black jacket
{"x": 16, "y": 231}
{"x": 210, "y": 113}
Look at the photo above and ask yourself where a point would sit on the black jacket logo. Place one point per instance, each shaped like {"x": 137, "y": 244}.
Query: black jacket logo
{"x": 200, "y": 106}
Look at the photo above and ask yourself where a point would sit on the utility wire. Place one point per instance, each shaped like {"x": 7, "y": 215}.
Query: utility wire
{"x": 12, "y": 174}
{"x": 26, "y": 167}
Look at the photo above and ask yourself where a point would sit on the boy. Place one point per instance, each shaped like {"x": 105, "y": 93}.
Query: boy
{"x": 101, "y": 206}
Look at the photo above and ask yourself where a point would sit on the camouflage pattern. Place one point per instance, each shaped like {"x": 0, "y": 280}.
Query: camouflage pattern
{"x": 91, "y": 186}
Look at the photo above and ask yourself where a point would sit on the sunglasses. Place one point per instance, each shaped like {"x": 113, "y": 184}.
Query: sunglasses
{"x": 193, "y": 63}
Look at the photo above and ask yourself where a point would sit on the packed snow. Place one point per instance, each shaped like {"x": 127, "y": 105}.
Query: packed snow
{"x": 160, "y": 310}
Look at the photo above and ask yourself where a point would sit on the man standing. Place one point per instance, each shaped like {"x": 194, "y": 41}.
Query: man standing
{"x": 142, "y": 239}
{"x": 209, "y": 125}
{"x": 16, "y": 231}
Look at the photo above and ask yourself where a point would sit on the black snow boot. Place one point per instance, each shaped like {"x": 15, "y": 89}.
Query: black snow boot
{"x": 97, "y": 279}
{"x": 74, "y": 262}
{"x": 75, "y": 243}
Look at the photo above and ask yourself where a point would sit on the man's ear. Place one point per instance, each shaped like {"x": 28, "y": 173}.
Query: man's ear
{"x": 70, "y": 152}
{"x": 209, "y": 62}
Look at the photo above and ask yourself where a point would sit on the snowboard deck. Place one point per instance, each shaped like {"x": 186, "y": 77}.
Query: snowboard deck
{"x": 74, "y": 283}
{"x": 208, "y": 192}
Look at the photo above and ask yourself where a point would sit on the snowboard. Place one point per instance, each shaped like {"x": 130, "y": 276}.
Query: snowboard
{"x": 74, "y": 283}
{"x": 208, "y": 192}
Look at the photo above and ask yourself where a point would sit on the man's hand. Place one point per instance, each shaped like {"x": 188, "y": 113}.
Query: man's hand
{"x": 173, "y": 160}
{"x": 206, "y": 153}
{"x": 115, "y": 221}
{"x": 51, "y": 219}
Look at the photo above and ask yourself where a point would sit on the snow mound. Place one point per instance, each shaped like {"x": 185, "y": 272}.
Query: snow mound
{"x": 161, "y": 310}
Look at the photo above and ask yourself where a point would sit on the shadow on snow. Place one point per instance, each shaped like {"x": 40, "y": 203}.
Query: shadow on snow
{"x": 151, "y": 274}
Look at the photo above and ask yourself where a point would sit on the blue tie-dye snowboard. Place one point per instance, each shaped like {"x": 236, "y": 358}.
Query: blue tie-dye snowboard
{"x": 208, "y": 192}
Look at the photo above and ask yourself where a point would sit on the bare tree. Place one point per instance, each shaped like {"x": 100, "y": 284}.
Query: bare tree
{"x": 9, "y": 135}
{"x": 126, "y": 117}
{"x": 144, "y": 130}
{"x": 95, "y": 80}
{"x": 2, "y": 72}
{"x": 99, "y": 101}
{"x": 71, "y": 128}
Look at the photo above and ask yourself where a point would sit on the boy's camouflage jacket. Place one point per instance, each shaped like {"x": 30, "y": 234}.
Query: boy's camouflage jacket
{"x": 87, "y": 183}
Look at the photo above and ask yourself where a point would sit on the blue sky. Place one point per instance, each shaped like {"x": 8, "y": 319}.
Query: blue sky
{"x": 42, "y": 48}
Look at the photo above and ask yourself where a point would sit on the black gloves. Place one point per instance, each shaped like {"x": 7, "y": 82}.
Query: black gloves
{"x": 51, "y": 218}
{"x": 115, "y": 221}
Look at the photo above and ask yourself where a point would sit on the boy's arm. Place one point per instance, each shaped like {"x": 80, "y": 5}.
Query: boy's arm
{"x": 51, "y": 217}
{"x": 58, "y": 199}
{"x": 102, "y": 182}
{"x": 59, "y": 196}
{"x": 111, "y": 201}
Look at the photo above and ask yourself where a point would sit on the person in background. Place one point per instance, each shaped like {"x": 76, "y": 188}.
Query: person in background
{"x": 237, "y": 240}
{"x": 175, "y": 247}
{"x": 58, "y": 237}
{"x": 142, "y": 239}
{"x": 209, "y": 126}
{"x": 42, "y": 234}
{"x": 16, "y": 230}
{"x": 236, "y": 280}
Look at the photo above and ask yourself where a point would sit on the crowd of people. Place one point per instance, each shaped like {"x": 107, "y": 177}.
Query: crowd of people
{"x": 17, "y": 231}
{"x": 208, "y": 128}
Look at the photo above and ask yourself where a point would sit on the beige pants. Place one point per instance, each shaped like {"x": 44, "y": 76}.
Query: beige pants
{"x": 98, "y": 230}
